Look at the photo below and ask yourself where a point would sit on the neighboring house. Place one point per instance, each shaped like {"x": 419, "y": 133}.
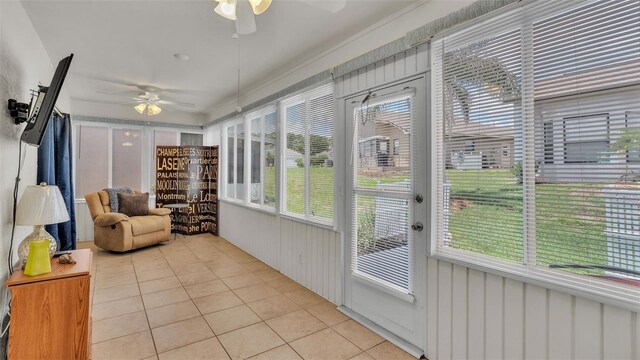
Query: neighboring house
{"x": 473, "y": 145}
{"x": 572, "y": 142}
{"x": 384, "y": 142}
{"x": 291, "y": 158}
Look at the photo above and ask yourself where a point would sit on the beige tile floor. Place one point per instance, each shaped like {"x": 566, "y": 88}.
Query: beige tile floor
{"x": 201, "y": 297}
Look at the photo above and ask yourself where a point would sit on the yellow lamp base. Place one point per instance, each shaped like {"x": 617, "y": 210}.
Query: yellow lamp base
{"x": 38, "y": 234}
{"x": 38, "y": 261}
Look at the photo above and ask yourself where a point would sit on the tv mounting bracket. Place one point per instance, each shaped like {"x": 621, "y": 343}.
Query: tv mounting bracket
{"x": 20, "y": 111}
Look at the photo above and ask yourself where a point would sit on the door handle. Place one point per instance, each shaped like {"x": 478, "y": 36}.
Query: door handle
{"x": 417, "y": 226}
{"x": 419, "y": 198}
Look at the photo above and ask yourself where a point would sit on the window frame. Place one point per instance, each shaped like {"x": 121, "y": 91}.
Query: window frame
{"x": 396, "y": 147}
{"x": 304, "y": 98}
{"x": 578, "y": 118}
{"x": 600, "y": 290}
{"x": 261, "y": 114}
{"x": 246, "y": 120}
{"x": 225, "y": 145}
{"x": 148, "y": 150}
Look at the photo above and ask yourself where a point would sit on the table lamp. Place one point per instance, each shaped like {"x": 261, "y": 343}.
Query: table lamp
{"x": 40, "y": 205}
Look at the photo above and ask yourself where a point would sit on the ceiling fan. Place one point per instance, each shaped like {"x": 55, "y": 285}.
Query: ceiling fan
{"x": 150, "y": 103}
{"x": 243, "y": 11}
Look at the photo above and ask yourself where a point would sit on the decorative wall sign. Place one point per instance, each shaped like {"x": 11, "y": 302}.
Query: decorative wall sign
{"x": 189, "y": 175}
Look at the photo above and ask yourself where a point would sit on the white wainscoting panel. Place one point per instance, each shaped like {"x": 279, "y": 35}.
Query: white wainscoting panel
{"x": 394, "y": 68}
{"x": 310, "y": 255}
{"x": 478, "y": 315}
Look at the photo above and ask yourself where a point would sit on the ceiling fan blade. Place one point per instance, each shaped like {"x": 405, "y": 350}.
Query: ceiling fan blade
{"x": 176, "y": 103}
{"x": 124, "y": 102}
{"x": 115, "y": 81}
{"x": 246, "y": 21}
{"x": 123, "y": 93}
{"x": 333, "y": 6}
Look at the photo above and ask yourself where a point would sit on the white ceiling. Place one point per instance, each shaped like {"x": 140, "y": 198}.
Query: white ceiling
{"x": 133, "y": 42}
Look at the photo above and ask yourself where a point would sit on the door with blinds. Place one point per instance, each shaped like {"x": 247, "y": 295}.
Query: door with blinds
{"x": 386, "y": 183}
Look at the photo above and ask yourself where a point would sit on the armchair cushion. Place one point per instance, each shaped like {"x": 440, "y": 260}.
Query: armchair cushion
{"x": 134, "y": 204}
{"x": 109, "y": 219}
{"x": 160, "y": 211}
{"x": 113, "y": 196}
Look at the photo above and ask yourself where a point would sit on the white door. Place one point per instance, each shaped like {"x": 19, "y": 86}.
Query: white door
{"x": 385, "y": 270}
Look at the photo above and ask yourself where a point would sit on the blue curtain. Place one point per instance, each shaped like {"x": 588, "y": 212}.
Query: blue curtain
{"x": 55, "y": 167}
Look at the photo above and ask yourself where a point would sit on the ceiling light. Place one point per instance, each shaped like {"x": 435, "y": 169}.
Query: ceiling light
{"x": 259, "y": 6}
{"x": 150, "y": 108}
{"x": 153, "y": 109}
{"x": 140, "y": 108}
{"x": 226, "y": 9}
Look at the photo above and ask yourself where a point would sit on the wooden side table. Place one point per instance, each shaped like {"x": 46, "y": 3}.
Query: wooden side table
{"x": 50, "y": 313}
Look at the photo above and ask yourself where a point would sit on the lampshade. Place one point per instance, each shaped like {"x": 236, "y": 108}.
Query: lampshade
{"x": 153, "y": 109}
{"x": 140, "y": 108}
{"x": 41, "y": 205}
{"x": 260, "y": 6}
{"x": 226, "y": 9}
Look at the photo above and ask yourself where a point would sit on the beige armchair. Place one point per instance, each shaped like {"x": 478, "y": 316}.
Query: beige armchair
{"x": 119, "y": 232}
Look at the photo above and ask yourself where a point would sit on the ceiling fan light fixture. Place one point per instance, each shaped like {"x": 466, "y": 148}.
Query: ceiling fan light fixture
{"x": 259, "y": 6}
{"x": 140, "y": 108}
{"x": 226, "y": 9}
{"x": 153, "y": 109}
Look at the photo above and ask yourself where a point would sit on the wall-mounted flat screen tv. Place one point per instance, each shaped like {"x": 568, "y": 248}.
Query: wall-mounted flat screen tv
{"x": 40, "y": 115}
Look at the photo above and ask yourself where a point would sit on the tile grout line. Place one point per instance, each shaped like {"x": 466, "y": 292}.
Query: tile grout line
{"x": 153, "y": 340}
{"x": 201, "y": 315}
{"x": 243, "y": 303}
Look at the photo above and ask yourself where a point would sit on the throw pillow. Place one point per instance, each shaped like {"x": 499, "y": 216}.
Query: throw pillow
{"x": 134, "y": 204}
{"x": 113, "y": 196}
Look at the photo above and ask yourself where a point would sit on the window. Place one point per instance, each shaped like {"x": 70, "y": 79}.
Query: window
{"x": 127, "y": 158}
{"x": 629, "y": 139}
{"x": 396, "y": 146}
{"x": 263, "y": 171}
{"x": 91, "y": 159}
{"x": 235, "y": 161}
{"x": 240, "y": 136}
{"x": 553, "y": 86}
{"x": 505, "y": 151}
{"x": 191, "y": 139}
{"x": 586, "y": 138}
{"x": 259, "y": 150}
{"x": 548, "y": 142}
{"x": 307, "y": 170}
{"x": 256, "y": 164}
{"x": 269, "y": 159}
{"x": 107, "y": 155}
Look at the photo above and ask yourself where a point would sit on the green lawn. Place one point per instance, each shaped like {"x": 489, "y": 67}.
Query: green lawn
{"x": 488, "y": 218}
{"x": 321, "y": 195}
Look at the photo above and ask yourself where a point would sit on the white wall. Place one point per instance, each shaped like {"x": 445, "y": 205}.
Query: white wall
{"x": 478, "y": 315}
{"x": 306, "y": 253}
{"x": 23, "y": 64}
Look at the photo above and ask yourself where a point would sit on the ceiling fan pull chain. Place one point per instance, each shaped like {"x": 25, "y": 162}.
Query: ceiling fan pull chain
{"x": 237, "y": 38}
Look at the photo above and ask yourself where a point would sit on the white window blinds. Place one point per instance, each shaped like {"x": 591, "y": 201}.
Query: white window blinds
{"x": 536, "y": 142}
{"x": 307, "y": 155}
{"x": 234, "y": 160}
{"x": 262, "y": 158}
